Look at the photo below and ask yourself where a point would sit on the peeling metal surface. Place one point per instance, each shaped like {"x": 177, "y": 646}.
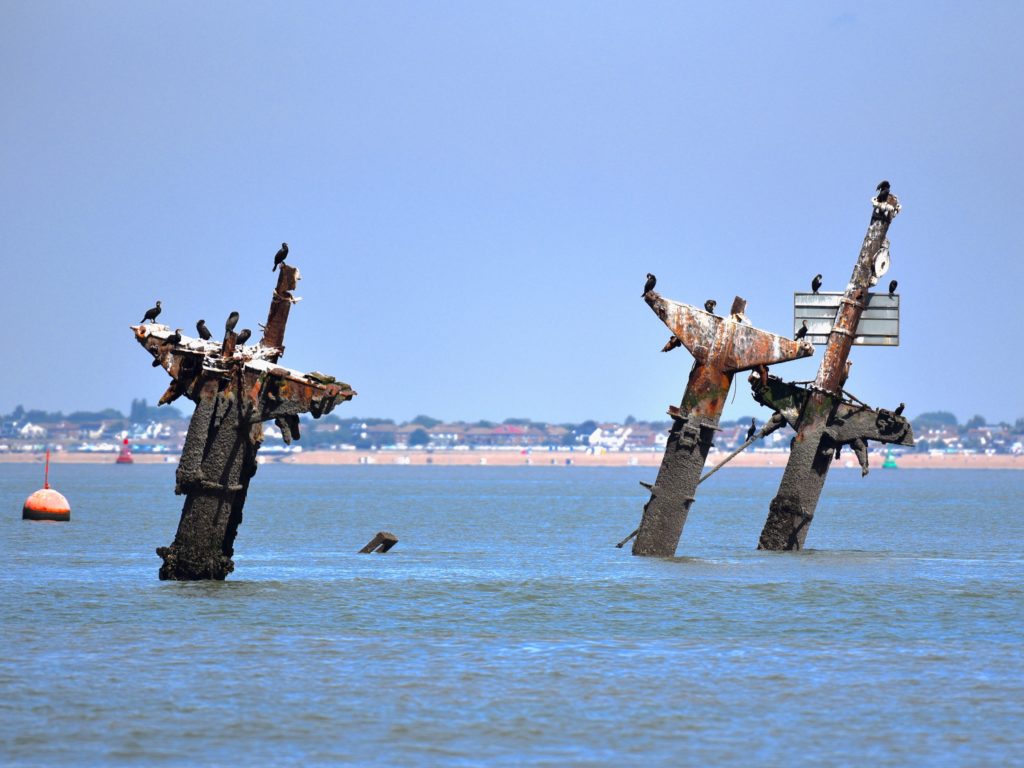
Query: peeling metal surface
{"x": 728, "y": 344}
{"x": 235, "y": 389}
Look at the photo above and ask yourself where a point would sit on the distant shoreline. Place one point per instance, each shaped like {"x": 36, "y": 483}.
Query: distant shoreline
{"x": 509, "y": 458}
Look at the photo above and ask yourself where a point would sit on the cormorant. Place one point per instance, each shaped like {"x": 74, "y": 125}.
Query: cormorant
{"x": 802, "y": 332}
{"x": 883, "y": 191}
{"x": 174, "y": 338}
{"x": 709, "y": 306}
{"x": 649, "y": 285}
{"x": 816, "y": 283}
{"x": 280, "y": 256}
{"x": 899, "y": 409}
{"x": 229, "y": 326}
{"x": 243, "y": 336}
{"x": 892, "y": 287}
{"x": 752, "y": 430}
{"x": 673, "y": 342}
{"x": 152, "y": 314}
{"x": 204, "y": 332}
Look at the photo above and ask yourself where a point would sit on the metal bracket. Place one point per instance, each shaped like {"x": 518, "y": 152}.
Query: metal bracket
{"x": 689, "y": 436}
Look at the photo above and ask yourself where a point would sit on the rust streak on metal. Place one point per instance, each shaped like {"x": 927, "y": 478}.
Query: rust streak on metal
{"x": 280, "y": 305}
{"x": 729, "y": 345}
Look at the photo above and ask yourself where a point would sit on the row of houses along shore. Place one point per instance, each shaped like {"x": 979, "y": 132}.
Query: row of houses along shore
{"x": 162, "y": 430}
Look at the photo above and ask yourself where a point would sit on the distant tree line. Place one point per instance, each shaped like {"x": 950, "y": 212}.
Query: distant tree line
{"x": 141, "y": 413}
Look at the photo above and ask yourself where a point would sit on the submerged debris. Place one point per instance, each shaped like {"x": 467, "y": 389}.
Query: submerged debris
{"x": 380, "y": 543}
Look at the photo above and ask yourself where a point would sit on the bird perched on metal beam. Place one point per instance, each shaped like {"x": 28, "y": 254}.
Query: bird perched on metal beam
{"x": 243, "y": 336}
{"x": 892, "y": 287}
{"x": 816, "y": 283}
{"x": 280, "y": 256}
{"x": 151, "y": 314}
{"x": 709, "y": 306}
{"x": 802, "y": 331}
{"x": 649, "y": 285}
{"x": 673, "y": 342}
{"x": 752, "y": 430}
{"x": 203, "y": 331}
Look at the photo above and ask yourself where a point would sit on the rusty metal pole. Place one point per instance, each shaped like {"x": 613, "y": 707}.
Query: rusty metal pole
{"x": 721, "y": 346}
{"x": 280, "y": 305}
{"x": 824, "y": 421}
{"x": 235, "y": 390}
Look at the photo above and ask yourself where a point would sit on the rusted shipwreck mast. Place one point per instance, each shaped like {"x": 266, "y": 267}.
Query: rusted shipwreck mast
{"x": 721, "y": 347}
{"x": 825, "y": 419}
{"x": 235, "y": 389}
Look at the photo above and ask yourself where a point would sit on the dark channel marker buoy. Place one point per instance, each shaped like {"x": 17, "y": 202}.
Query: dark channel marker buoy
{"x": 46, "y": 503}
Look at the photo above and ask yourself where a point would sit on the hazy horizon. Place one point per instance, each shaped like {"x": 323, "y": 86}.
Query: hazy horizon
{"x": 184, "y": 406}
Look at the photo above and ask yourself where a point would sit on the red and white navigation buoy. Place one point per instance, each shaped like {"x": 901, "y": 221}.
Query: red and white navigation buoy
{"x": 46, "y": 503}
{"x": 125, "y": 456}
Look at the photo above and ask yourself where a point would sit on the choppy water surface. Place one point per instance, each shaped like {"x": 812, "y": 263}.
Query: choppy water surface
{"x": 506, "y": 629}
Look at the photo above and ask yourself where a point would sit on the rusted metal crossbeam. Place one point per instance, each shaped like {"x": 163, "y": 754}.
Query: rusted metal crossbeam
{"x": 823, "y": 418}
{"x": 235, "y": 389}
{"x": 721, "y": 347}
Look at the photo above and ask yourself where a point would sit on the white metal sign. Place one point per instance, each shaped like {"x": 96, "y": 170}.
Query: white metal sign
{"x": 879, "y": 324}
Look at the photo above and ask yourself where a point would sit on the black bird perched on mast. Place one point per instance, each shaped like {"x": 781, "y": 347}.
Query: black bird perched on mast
{"x": 280, "y": 256}
{"x": 152, "y": 314}
{"x": 204, "y": 332}
{"x": 892, "y": 287}
{"x": 752, "y": 430}
{"x": 672, "y": 343}
{"x": 816, "y": 283}
{"x": 649, "y": 285}
{"x": 243, "y": 336}
{"x": 229, "y": 326}
{"x": 709, "y": 306}
{"x": 883, "y": 191}
{"x": 802, "y": 332}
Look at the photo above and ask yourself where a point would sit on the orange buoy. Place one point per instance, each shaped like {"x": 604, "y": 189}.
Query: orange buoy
{"x": 46, "y": 503}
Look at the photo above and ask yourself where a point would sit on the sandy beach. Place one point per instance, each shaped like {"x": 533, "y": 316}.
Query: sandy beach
{"x": 509, "y": 458}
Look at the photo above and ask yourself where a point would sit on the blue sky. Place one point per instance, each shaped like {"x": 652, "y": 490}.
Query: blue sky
{"x": 474, "y": 192}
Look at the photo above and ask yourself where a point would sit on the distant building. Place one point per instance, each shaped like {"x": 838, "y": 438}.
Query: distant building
{"x": 31, "y": 431}
{"x": 610, "y": 437}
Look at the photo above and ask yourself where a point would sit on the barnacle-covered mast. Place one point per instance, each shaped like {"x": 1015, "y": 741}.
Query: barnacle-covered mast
{"x": 235, "y": 389}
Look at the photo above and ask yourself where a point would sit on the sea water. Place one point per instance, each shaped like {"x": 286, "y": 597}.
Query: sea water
{"x": 505, "y": 628}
